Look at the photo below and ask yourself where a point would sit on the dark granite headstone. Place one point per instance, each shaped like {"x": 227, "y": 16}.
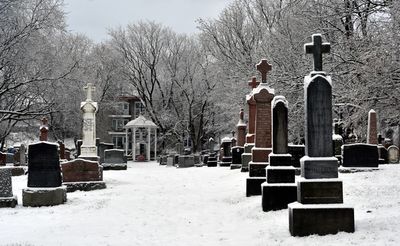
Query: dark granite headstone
{"x": 9, "y": 158}
{"x": 78, "y": 147}
{"x": 360, "y": 155}
{"x": 43, "y": 165}
{"x": 383, "y": 154}
{"x": 115, "y": 156}
{"x": 297, "y": 152}
{"x": 237, "y": 152}
{"x": 101, "y": 148}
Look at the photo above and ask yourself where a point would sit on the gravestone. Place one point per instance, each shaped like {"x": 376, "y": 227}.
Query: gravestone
{"x": 372, "y": 134}
{"x": 226, "y": 155}
{"x": 78, "y": 147}
{"x": 186, "y": 161}
{"x": 238, "y": 150}
{"x": 44, "y": 176}
{"x": 44, "y": 130}
{"x": 263, "y": 96}
{"x": 319, "y": 208}
{"x": 114, "y": 159}
{"x": 383, "y": 154}
{"x": 251, "y": 125}
{"x": 179, "y": 148}
{"x": 10, "y": 158}
{"x": 3, "y": 157}
{"x": 212, "y": 160}
{"x": 7, "y": 198}
{"x": 22, "y": 155}
{"x": 393, "y": 154}
{"x": 101, "y": 148}
{"x": 83, "y": 175}
{"x": 171, "y": 160}
{"x": 89, "y": 109}
{"x": 62, "y": 150}
{"x": 67, "y": 155}
{"x": 280, "y": 189}
{"x": 360, "y": 155}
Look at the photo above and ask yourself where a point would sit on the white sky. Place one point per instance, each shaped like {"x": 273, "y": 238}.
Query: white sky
{"x": 94, "y": 17}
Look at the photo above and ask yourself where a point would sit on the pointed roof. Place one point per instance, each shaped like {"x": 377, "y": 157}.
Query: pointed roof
{"x": 140, "y": 121}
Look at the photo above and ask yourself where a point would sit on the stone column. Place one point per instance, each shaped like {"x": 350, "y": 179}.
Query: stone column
{"x": 126, "y": 142}
{"x": 263, "y": 96}
{"x": 319, "y": 169}
{"x": 134, "y": 144}
{"x": 280, "y": 188}
{"x": 372, "y": 134}
{"x": 155, "y": 143}
{"x": 89, "y": 109}
{"x": 149, "y": 144}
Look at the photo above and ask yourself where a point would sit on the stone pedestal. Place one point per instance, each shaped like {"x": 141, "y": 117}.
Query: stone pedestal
{"x": 85, "y": 186}
{"x": 278, "y": 196}
{"x": 37, "y": 197}
{"x": 212, "y": 160}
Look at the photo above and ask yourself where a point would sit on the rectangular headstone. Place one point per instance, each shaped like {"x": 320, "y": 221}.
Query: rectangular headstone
{"x": 80, "y": 170}
{"x": 360, "y": 155}
{"x": 101, "y": 148}
{"x": 114, "y": 156}
{"x": 5, "y": 183}
{"x": 43, "y": 165}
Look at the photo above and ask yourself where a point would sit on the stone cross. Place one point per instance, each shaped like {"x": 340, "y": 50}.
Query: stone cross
{"x": 264, "y": 67}
{"x": 317, "y": 48}
{"x": 44, "y": 129}
{"x": 89, "y": 89}
{"x": 253, "y": 83}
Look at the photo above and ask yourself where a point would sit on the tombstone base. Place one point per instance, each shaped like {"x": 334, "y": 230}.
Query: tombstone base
{"x": 260, "y": 154}
{"x": 8, "y": 202}
{"x": 280, "y": 159}
{"x": 186, "y": 161}
{"x": 319, "y": 167}
{"x": 282, "y": 174}
{"x": 321, "y": 219}
{"x": 224, "y": 164}
{"x": 85, "y": 186}
{"x": 114, "y": 166}
{"x": 16, "y": 170}
{"x": 246, "y": 159}
{"x": 37, "y": 197}
{"x": 253, "y": 186}
{"x": 257, "y": 169}
{"x": 277, "y": 196}
{"x": 236, "y": 166}
{"x": 212, "y": 163}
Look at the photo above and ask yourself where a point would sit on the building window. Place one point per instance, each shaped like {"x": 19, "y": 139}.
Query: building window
{"x": 118, "y": 124}
{"x": 119, "y": 142}
{"x": 139, "y": 108}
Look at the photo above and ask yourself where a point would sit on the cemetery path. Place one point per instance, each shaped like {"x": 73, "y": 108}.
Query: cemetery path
{"x": 156, "y": 205}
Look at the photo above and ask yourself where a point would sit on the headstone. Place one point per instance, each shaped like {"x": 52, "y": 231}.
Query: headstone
{"x": 226, "y": 155}
{"x": 179, "y": 148}
{"x": 44, "y": 129}
{"x": 393, "y": 154}
{"x": 114, "y": 159}
{"x": 212, "y": 160}
{"x": 7, "y": 199}
{"x": 337, "y": 142}
{"x": 319, "y": 208}
{"x": 81, "y": 174}
{"x": 383, "y": 154}
{"x": 280, "y": 189}
{"x": 89, "y": 109}
{"x": 10, "y": 158}
{"x": 372, "y": 134}
{"x": 101, "y": 148}
{"x": 263, "y": 96}
{"x": 62, "y": 149}
{"x": 186, "y": 161}
{"x": 22, "y": 155}
{"x": 44, "y": 176}
{"x": 251, "y": 125}
{"x": 238, "y": 150}
{"x": 360, "y": 155}
{"x": 67, "y": 155}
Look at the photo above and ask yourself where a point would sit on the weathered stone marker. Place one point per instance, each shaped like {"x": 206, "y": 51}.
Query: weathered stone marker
{"x": 89, "y": 109}
{"x": 263, "y": 96}
{"x": 44, "y": 176}
{"x": 7, "y": 199}
{"x": 319, "y": 208}
{"x": 372, "y": 134}
{"x": 226, "y": 158}
{"x": 393, "y": 154}
{"x": 251, "y": 126}
{"x": 238, "y": 150}
{"x": 280, "y": 188}
{"x": 114, "y": 159}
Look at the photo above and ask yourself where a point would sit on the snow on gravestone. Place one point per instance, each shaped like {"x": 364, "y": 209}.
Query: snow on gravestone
{"x": 319, "y": 208}
{"x": 6, "y": 195}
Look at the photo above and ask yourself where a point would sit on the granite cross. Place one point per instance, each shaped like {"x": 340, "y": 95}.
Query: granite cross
{"x": 264, "y": 67}
{"x": 253, "y": 83}
{"x": 89, "y": 89}
{"x": 317, "y": 48}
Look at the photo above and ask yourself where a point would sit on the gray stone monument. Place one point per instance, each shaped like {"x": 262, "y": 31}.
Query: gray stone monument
{"x": 114, "y": 159}
{"x": 393, "y": 154}
{"x": 280, "y": 188}
{"x": 7, "y": 199}
{"x": 319, "y": 208}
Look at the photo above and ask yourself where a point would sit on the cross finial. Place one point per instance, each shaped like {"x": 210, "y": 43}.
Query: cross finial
{"x": 89, "y": 89}
{"x": 253, "y": 82}
{"x": 317, "y": 48}
{"x": 233, "y": 133}
{"x": 264, "y": 67}
{"x": 241, "y": 114}
{"x": 44, "y": 121}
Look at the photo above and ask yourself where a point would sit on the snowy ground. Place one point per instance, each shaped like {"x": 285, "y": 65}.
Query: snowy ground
{"x": 155, "y": 205}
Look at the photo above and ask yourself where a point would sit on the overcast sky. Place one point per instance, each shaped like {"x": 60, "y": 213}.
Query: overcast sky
{"x": 93, "y": 17}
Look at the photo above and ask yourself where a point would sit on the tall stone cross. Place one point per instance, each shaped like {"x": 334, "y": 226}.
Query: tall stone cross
{"x": 253, "y": 83}
{"x": 317, "y": 48}
{"x": 264, "y": 67}
{"x": 89, "y": 89}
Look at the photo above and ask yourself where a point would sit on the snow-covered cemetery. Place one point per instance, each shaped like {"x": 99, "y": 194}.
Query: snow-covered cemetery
{"x": 267, "y": 123}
